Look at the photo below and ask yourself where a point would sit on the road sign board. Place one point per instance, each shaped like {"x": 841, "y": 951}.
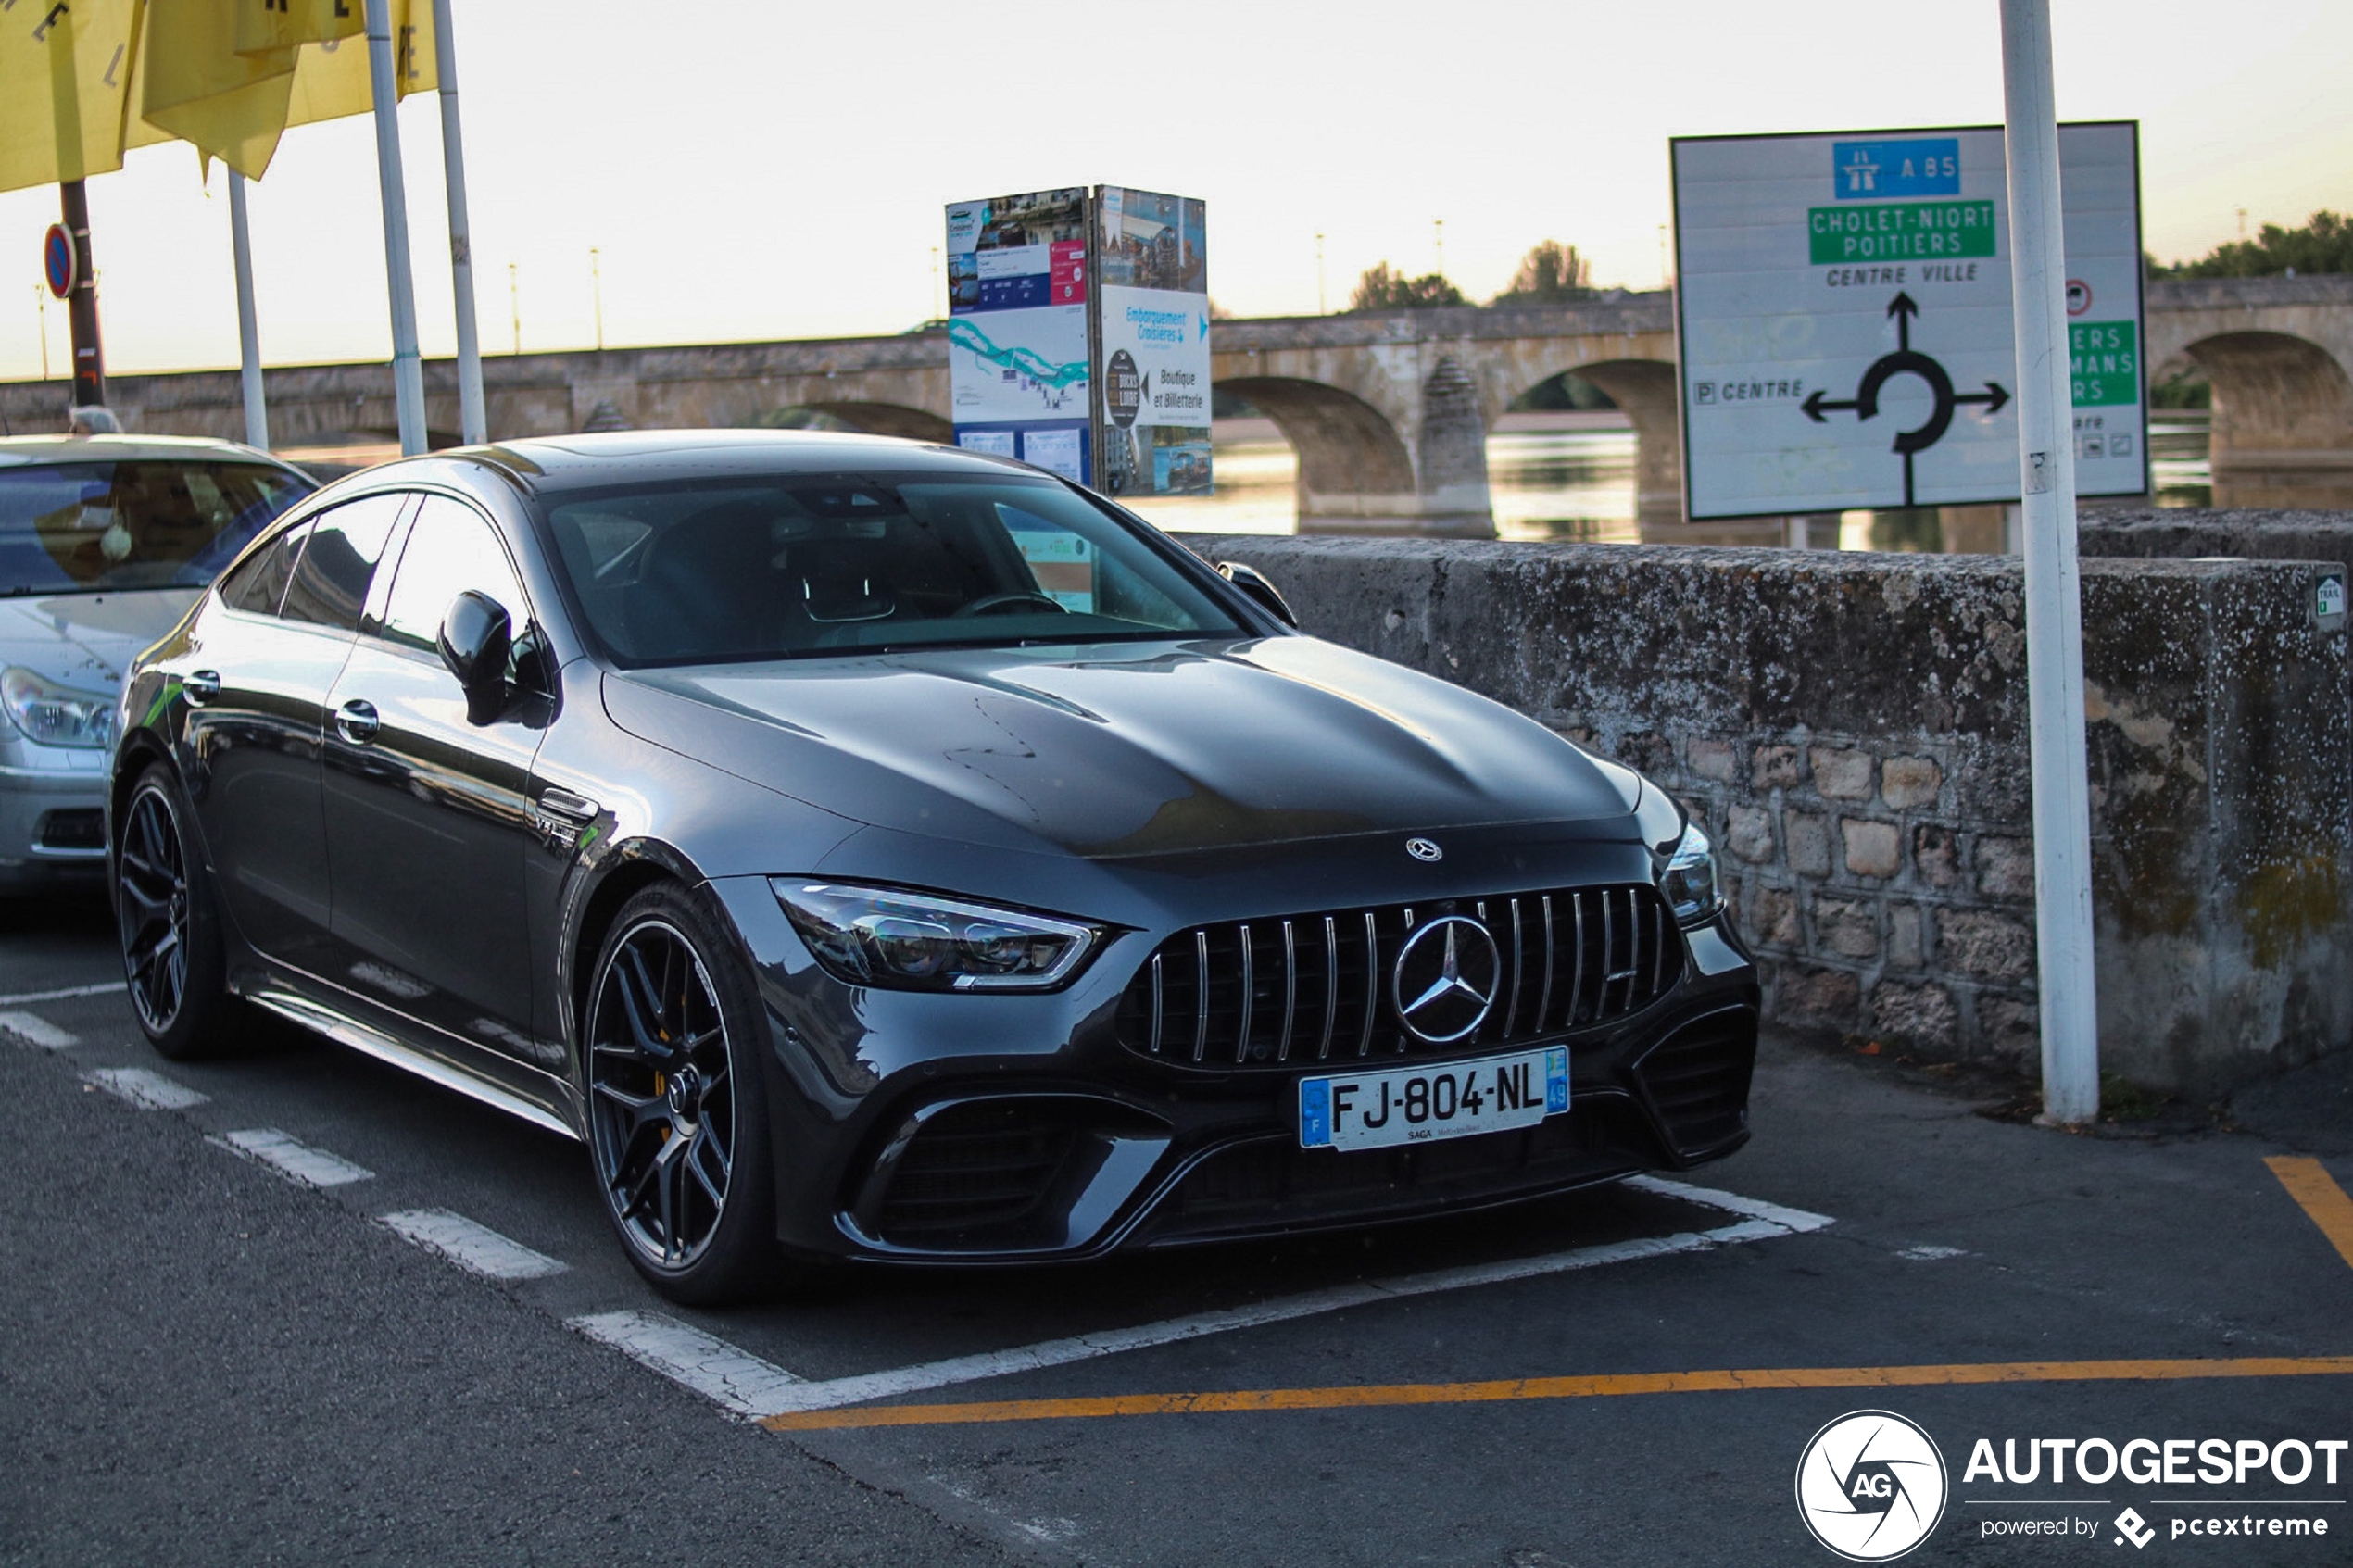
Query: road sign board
{"x": 57, "y": 259}
{"x": 1843, "y": 323}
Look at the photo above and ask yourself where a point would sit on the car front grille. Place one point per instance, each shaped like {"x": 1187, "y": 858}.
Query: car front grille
{"x": 1696, "y": 1079}
{"x": 1316, "y": 987}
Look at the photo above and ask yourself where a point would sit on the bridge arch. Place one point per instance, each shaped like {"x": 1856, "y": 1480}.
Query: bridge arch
{"x": 1647, "y": 393}
{"x": 1353, "y": 462}
{"x": 2282, "y": 431}
{"x": 887, "y": 419}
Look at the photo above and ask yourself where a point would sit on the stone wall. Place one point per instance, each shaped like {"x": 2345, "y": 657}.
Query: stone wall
{"x": 2190, "y": 532}
{"x": 1851, "y": 729}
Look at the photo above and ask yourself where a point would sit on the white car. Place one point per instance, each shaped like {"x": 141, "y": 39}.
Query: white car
{"x": 105, "y": 542}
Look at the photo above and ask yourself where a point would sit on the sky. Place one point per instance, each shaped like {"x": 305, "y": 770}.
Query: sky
{"x": 748, "y": 169}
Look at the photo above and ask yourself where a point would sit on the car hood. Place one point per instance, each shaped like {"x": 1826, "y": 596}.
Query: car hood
{"x": 86, "y": 641}
{"x": 1123, "y": 749}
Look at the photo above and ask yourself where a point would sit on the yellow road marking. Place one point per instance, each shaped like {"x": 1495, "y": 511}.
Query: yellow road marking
{"x": 1560, "y": 1389}
{"x": 2309, "y": 1183}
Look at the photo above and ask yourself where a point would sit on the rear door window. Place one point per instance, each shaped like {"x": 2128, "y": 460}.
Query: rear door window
{"x": 330, "y": 582}
{"x": 259, "y": 584}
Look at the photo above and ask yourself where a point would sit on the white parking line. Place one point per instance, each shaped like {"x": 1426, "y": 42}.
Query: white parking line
{"x": 475, "y": 1248}
{"x": 34, "y": 1030}
{"x": 741, "y": 1382}
{"x": 62, "y": 994}
{"x": 1765, "y": 1220}
{"x": 296, "y": 1162}
{"x": 148, "y": 1091}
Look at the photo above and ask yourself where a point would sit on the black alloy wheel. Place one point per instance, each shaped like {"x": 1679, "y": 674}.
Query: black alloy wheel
{"x": 172, "y": 955}
{"x": 676, "y": 1125}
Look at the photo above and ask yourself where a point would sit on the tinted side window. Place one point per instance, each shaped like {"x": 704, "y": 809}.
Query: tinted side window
{"x": 451, "y": 549}
{"x": 259, "y": 584}
{"x": 331, "y": 580}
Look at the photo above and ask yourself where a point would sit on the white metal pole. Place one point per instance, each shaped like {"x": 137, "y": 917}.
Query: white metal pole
{"x": 2054, "y": 607}
{"x": 407, "y": 370}
{"x": 472, "y": 422}
{"x": 249, "y": 328}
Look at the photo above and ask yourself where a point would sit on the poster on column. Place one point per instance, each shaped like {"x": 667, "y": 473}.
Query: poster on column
{"x": 1152, "y": 261}
{"x": 1845, "y": 326}
{"x": 1017, "y": 301}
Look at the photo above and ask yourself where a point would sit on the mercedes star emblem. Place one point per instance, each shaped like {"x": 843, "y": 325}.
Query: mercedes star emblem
{"x": 1424, "y": 850}
{"x": 1446, "y": 978}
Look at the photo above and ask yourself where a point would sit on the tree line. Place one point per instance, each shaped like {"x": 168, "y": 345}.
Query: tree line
{"x": 1552, "y": 273}
{"x": 2323, "y": 245}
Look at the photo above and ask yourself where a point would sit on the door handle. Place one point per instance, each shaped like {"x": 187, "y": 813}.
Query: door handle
{"x": 570, "y": 807}
{"x": 200, "y": 687}
{"x": 357, "y": 722}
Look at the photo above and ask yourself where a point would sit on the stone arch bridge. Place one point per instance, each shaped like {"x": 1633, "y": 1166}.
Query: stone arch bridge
{"x": 1388, "y": 411}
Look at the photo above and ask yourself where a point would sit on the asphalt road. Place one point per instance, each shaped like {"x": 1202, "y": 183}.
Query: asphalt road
{"x": 210, "y": 1363}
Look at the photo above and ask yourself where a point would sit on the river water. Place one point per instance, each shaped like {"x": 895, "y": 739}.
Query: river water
{"x": 1562, "y": 476}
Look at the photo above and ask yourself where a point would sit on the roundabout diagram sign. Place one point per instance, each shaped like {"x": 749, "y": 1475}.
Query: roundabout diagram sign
{"x": 1844, "y": 320}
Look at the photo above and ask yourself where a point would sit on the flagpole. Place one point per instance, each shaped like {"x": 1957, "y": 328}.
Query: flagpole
{"x": 249, "y": 328}
{"x": 473, "y": 419}
{"x": 407, "y": 370}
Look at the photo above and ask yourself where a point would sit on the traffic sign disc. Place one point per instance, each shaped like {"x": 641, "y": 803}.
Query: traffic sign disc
{"x": 56, "y": 259}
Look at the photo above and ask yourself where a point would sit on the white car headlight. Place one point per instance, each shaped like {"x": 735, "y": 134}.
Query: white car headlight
{"x": 919, "y": 941}
{"x": 1689, "y": 883}
{"x": 55, "y": 715}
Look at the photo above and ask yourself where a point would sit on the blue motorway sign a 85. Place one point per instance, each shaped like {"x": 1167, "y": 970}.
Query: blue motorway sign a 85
{"x": 1914, "y": 166}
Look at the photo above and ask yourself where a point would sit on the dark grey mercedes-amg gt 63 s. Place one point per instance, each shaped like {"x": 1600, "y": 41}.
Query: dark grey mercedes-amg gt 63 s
{"x": 870, "y": 850}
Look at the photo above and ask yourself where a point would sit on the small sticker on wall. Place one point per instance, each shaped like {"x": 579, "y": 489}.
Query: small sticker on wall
{"x": 2328, "y": 601}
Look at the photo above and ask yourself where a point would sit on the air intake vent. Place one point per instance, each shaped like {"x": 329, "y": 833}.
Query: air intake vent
{"x": 981, "y": 1167}
{"x": 1289, "y": 989}
{"x": 1697, "y": 1081}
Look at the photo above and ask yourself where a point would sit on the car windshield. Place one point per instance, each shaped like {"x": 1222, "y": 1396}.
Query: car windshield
{"x": 93, "y": 527}
{"x": 717, "y": 572}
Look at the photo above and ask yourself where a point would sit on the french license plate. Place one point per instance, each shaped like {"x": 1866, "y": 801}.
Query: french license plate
{"x": 1424, "y": 1104}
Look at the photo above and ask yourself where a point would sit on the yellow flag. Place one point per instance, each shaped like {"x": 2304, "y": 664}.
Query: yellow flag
{"x": 195, "y": 85}
{"x": 265, "y": 25}
{"x": 332, "y": 79}
{"x": 64, "y": 70}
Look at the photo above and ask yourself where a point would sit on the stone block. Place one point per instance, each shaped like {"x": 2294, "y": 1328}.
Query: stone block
{"x": 1777, "y": 767}
{"x": 1847, "y": 928}
{"x": 2006, "y": 867}
{"x": 1808, "y": 834}
{"x": 1936, "y": 855}
{"x": 2010, "y": 1029}
{"x": 1921, "y": 1015}
{"x": 1712, "y": 759}
{"x": 1843, "y": 775}
{"x": 1771, "y": 917}
{"x": 1815, "y": 999}
{"x": 1905, "y": 949}
{"x": 1872, "y": 848}
{"x": 1749, "y": 834}
{"x": 1984, "y": 943}
{"x": 1907, "y": 782}
{"x": 1647, "y": 751}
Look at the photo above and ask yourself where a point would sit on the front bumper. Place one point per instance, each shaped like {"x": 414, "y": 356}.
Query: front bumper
{"x": 961, "y": 1128}
{"x": 52, "y": 821}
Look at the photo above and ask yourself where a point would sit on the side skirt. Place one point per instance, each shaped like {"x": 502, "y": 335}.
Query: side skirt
{"x": 452, "y": 1067}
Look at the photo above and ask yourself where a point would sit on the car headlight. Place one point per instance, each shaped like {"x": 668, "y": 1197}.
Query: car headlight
{"x": 55, "y": 715}
{"x": 916, "y": 942}
{"x": 1689, "y": 883}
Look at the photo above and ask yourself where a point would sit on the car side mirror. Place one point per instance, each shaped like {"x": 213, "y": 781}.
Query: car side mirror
{"x": 475, "y": 638}
{"x": 1250, "y": 580}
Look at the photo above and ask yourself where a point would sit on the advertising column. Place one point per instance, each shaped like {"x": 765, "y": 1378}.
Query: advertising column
{"x": 1017, "y": 331}
{"x": 1151, "y": 262}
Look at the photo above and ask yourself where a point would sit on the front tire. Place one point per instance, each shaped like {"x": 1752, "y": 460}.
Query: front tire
{"x": 677, "y": 1114}
{"x": 170, "y": 924}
